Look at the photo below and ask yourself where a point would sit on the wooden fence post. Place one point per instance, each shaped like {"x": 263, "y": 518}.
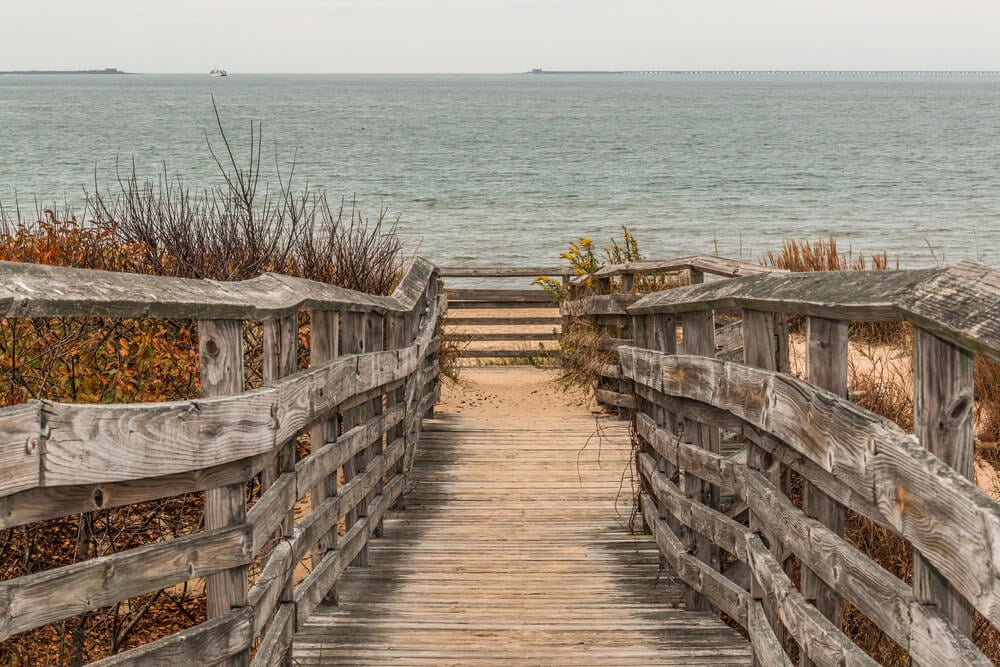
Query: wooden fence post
{"x": 375, "y": 342}
{"x": 761, "y": 349}
{"x": 826, "y": 367}
{"x": 699, "y": 338}
{"x": 942, "y": 412}
{"x": 664, "y": 328}
{"x": 323, "y": 347}
{"x": 220, "y": 344}
{"x": 354, "y": 340}
{"x": 281, "y": 358}
{"x": 395, "y": 339}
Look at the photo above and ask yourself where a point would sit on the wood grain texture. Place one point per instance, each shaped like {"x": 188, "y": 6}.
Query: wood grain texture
{"x": 205, "y": 644}
{"x": 52, "y": 502}
{"x": 503, "y": 271}
{"x": 34, "y": 600}
{"x": 107, "y": 443}
{"x": 277, "y": 641}
{"x": 852, "y": 295}
{"x": 21, "y": 445}
{"x": 220, "y": 345}
{"x": 826, "y": 367}
{"x": 719, "y": 266}
{"x": 34, "y": 290}
{"x": 508, "y": 551}
{"x": 907, "y": 501}
{"x": 943, "y": 423}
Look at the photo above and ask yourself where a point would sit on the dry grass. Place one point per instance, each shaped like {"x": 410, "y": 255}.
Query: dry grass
{"x": 230, "y": 232}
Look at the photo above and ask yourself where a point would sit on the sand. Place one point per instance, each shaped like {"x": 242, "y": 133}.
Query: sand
{"x": 518, "y": 394}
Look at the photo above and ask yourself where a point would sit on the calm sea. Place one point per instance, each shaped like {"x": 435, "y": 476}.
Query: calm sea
{"x": 509, "y": 168}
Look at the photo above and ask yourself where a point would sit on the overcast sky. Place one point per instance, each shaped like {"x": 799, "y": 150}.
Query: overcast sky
{"x": 498, "y": 35}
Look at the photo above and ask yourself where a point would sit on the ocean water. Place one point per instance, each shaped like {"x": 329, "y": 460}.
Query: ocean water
{"x": 507, "y": 169}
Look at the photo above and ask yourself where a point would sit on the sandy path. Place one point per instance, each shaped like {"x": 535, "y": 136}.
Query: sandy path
{"x": 520, "y": 393}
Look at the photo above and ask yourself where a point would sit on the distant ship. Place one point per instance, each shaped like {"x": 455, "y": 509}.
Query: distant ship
{"x": 217, "y": 71}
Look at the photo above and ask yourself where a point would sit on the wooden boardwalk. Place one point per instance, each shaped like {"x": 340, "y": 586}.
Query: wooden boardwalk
{"x": 512, "y": 550}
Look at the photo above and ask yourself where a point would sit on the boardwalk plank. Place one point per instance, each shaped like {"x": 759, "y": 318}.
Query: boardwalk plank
{"x": 512, "y": 550}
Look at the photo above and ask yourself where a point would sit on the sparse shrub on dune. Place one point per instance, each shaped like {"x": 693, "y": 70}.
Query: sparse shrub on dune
{"x": 229, "y": 232}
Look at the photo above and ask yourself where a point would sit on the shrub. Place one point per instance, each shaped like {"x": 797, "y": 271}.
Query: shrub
{"x": 229, "y": 232}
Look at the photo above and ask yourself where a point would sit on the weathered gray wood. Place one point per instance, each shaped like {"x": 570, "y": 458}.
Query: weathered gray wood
{"x": 310, "y": 592}
{"x": 277, "y": 641}
{"x": 851, "y": 295}
{"x": 920, "y": 629}
{"x": 220, "y": 344}
{"x": 942, "y": 409}
{"x": 36, "y": 290}
{"x": 719, "y": 266}
{"x": 712, "y": 585}
{"x": 514, "y": 295}
{"x": 325, "y": 461}
{"x": 699, "y": 339}
{"x": 762, "y": 349}
{"x": 628, "y": 282}
{"x": 614, "y": 398}
{"x": 958, "y": 304}
{"x": 266, "y": 593}
{"x": 767, "y": 650}
{"x": 211, "y": 642}
{"x": 325, "y": 345}
{"x": 21, "y": 444}
{"x": 502, "y": 271}
{"x": 395, "y": 338}
{"x": 605, "y": 304}
{"x": 608, "y": 344}
{"x": 101, "y": 443}
{"x": 271, "y": 511}
{"x": 824, "y": 643}
{"x": 354, "y": 341}
{"x": 500, "y": 336}
{"x": 281, "y": 358}
{"x": 502, "y": 304}
{"x": 502, "y": 527}
{"x": 34, "y": 600}
{"x": 529, "y": 353}
{"x": 943, "y": 514}
{"x": 826, "y": 367}
{"x": 503, "y": 321}
{"x": 375, "y": 336}
{"x": 53, "y": 502}
{"x": 831, "y": 432}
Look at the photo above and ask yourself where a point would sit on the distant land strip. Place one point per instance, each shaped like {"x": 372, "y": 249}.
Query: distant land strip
{"x": 776, "y": 71}
{"x": 106, "y": 70}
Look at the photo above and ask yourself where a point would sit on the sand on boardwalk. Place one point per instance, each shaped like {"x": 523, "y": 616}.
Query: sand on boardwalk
{"x": 522, "y": 393}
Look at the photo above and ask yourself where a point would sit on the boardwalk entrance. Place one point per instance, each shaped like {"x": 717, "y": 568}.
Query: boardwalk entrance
{"x": 512, "y": 549}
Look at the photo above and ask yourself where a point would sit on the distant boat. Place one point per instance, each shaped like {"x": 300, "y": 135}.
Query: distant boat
{"x": 217, "y": 71}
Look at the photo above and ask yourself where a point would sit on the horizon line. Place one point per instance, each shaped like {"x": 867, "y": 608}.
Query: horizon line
{"x": 109, "y": 71}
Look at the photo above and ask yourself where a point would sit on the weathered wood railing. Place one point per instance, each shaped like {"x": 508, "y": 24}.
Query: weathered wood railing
{"x": 917, "y": 486}
{"x": 373, "y": 374}
{"x": 600, "y": 303}
{"x": 494, "y": 336}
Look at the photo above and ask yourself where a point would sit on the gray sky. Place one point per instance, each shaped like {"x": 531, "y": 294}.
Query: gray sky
{"x": 498, "y": 35}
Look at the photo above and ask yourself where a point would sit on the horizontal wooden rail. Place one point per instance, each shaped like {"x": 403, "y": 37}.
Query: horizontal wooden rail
{"x": 917, "y": 486}
{"x": 36, "y": 290}
{"x": 58, "y": 459}
{"x": 719, "y": 266}
{"x": 505, "y": 327}
{"x": 503, "y": 271}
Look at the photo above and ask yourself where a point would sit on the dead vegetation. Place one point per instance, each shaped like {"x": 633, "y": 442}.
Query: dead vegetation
{"x": 233, "y": 231}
